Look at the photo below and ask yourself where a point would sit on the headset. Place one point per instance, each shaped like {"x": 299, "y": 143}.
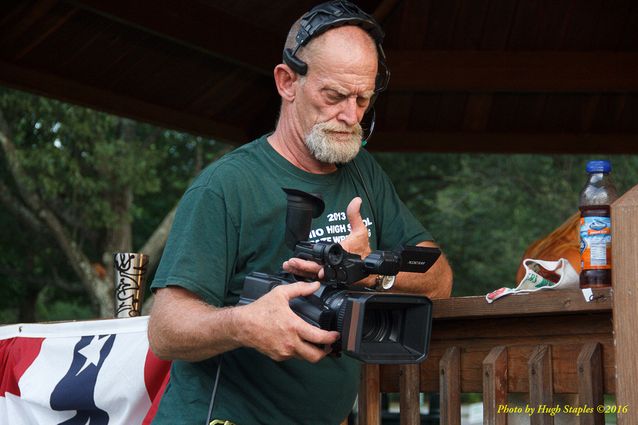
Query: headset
{"x": 334, "y": 14}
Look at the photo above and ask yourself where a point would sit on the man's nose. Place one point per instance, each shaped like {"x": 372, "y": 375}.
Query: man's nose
{"x": 350, "y": 113}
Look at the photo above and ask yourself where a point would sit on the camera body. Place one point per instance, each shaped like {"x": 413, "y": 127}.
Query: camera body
{"x": 375, "y": 327}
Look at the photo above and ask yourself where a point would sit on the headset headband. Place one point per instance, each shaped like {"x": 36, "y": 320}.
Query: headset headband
{"x": 334, "y": 14}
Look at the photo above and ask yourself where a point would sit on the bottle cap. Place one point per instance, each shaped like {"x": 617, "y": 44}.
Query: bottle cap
{"x": 598, "y": 167}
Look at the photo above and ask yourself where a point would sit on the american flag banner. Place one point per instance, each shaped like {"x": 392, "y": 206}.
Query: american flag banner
{"x": 98, "y": 372}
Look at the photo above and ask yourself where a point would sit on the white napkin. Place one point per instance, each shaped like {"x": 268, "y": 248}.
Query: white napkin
{"x": 539, "y": 275}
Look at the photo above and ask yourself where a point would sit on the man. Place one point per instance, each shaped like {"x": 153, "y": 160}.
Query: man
{"x": 260, "y": 363}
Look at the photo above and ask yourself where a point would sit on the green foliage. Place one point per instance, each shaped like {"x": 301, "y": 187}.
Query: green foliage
{"x": 82, "y": 164}
{"x": 54, "y": 304}
{"x": 77, "y": 160}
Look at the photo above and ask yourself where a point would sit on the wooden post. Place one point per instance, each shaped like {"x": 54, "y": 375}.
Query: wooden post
{"x": 495, "y": 386}
{"x": 370, "y": 396}
{"x": 409, "y": 395}
{"x": 540, "y": 385}
{"x": 450, "y": 386}
{"x": 624, "y": 248}
{"x": 590, "y": 383}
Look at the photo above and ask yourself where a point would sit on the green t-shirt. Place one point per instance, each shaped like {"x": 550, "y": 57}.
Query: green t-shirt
{"x": 231, "y": 222}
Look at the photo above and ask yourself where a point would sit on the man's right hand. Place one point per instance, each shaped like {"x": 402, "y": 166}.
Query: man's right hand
{"x": 271, "y": 327}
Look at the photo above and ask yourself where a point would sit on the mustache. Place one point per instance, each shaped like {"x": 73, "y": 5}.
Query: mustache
{"x": 340, "y": 128}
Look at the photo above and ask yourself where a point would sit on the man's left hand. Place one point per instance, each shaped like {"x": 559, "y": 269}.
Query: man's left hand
{"x": 357, "y": 242}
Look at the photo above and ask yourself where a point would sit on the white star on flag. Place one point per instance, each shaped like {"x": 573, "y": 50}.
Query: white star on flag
{"x": 92, "y": 352}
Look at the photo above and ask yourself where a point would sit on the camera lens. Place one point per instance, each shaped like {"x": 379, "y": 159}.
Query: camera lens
{"x": 380, "y": 325}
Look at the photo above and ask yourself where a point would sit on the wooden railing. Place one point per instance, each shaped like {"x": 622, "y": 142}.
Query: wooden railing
{"x": 542, "y": 344}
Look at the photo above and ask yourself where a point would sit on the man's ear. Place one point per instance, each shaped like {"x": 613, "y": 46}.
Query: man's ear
{"x": 285, "y": 80}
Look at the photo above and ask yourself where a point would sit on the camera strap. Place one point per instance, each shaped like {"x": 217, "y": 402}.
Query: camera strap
{"x": 212, "y": 398}
{"x": 370, "y": 199}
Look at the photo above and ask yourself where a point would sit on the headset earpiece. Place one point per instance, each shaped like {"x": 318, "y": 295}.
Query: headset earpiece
{"x": 296, "y": 64}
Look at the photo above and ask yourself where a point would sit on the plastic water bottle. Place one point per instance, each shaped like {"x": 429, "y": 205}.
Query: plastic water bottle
{"x": 595, "y": 225}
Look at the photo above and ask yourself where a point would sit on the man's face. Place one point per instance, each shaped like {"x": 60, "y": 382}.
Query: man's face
{"x": 335, "y": 94}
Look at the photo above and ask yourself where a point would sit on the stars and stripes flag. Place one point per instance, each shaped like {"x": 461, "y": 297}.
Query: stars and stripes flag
{"x": 98, "y": 372}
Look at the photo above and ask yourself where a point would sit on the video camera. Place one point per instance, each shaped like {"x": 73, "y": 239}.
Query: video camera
{"x": 375, "y": 327}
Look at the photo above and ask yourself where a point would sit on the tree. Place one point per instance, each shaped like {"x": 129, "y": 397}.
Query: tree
{"x": 76, "y": 180}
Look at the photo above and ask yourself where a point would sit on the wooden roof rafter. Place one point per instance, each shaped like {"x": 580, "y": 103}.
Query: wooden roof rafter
{"x": 467, "y": 76}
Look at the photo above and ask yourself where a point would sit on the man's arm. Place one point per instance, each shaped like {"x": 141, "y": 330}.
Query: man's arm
{"x": 184, "y": 327}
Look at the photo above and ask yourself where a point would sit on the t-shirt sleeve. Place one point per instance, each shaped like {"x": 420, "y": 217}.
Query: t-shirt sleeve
{"x": 201, "y": 248}
{"x": 398, "y": 226}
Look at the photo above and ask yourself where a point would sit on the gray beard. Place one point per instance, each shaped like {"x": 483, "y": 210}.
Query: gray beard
{"x": 324, "y": 148}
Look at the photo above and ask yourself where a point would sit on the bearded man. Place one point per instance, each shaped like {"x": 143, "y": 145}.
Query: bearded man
{"x": 264, "y": 364}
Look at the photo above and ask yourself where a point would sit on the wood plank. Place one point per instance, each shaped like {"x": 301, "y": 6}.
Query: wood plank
{"x": 192, "y": 31}
{"x": 409, "y": 395}
{"x": 476, "y": 337}
{"x": 369, "y": 396}
{"x": 520, "y": 71}
{"x": 535, "y": 327}
{"x": 589, "y": 110}
{"x": 477, "y": 112}
{"x": 45, "y": 29}
{"x": 439, "y": 27}
{"x": 546, "y": 302}
{"x": 590, "y": 383}
{"x": 45, "y": 84}
{"x": 565, "y": 375}
{"x": 384, "y": 9}
{"x": 495, "y": 386}
{"x": 22, "y": 19}
{"x": 450, "y": 386}
{"x": 540, "y": 385}
{"x": 624, "y": 222}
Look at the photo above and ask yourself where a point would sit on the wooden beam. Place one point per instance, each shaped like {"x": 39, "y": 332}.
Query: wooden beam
{"x": 409, "y": 395}
{"x": 624, "y": 222}
{"x": 46, "y": 84}
{"x": 370, "y": 395}
{"x": 590, "y": 382}
{"x": 450, "y": 386}
{"x": 477, "y": 112}
{"x": 22, "y": 19}
{"x": 199, "y": 26}
{"x": 541, "y": 392}
{"x": 498, "y": 71}
{"x": 567, "y": 301}
{"x": 384, "y": 9}
{"x": 495, "y": 386}
{"x": 45, "y": 29}
{"x": 235, "y": 40}
{"x": 541, "y": 143}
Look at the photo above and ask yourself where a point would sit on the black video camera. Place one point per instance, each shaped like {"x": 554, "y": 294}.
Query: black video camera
{"x": 375, "y": 327}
